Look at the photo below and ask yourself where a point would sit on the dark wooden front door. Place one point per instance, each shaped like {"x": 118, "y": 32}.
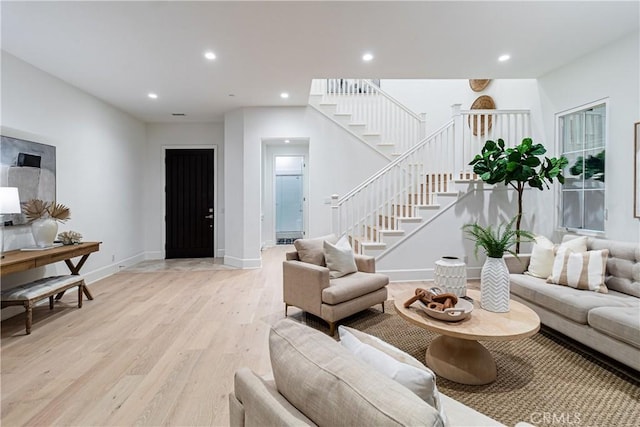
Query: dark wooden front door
{"x": 189, "y": 196}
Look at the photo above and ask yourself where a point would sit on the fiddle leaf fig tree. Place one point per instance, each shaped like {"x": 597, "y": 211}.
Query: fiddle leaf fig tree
{"x": 518, "y": 166}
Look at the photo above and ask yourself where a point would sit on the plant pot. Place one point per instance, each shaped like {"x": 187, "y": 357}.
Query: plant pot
{"x": 450, "y": 275}
{"x": 44, "y": 231}
{"x": 494, "y": 285}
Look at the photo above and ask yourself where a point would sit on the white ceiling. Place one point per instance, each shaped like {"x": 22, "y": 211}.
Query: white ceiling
{"x": 120, "y": 51}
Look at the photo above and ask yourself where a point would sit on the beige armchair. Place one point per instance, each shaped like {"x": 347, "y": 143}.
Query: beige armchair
{"x": 308, "y": 286}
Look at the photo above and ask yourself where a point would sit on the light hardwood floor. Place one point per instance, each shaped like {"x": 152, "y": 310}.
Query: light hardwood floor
{"x": 152, "y": 348}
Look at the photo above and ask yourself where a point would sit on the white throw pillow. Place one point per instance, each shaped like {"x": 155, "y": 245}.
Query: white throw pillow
{"x": 339, "y": 258}
{"x": 580, "y": 270}
{"x": 544, "y": 251}
{"x": 542, "y": 256}
{"x": 577, "y": 244}
{"x": 395, "y": 364}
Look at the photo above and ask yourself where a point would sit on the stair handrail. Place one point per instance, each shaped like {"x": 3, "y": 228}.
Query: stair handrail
{"x": 391, "y": 165}
{"x": 394, "y": 100}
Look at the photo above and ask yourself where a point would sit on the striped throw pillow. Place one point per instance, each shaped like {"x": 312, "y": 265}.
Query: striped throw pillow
{"x": 580, "y": 270}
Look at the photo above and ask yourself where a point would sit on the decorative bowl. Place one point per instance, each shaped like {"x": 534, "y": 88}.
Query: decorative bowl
{"x": 461, "y": 311}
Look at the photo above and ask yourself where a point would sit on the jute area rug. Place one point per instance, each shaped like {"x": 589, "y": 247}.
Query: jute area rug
{"x": 541, "y": 380}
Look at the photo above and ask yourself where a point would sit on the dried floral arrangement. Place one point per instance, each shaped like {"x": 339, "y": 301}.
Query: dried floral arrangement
{"x": 70, "y": 237}
{"x": 36, "y": 209}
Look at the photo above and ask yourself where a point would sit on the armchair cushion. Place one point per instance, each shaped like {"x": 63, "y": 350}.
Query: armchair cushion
{"x": 339, "y": 258}
{"x": 353, "y": 286}
{"x": 311, "y": 250}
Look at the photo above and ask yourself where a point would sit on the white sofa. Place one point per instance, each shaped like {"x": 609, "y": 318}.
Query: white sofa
{"x": 607, "y": 322}
{"x": 316, "y": 381}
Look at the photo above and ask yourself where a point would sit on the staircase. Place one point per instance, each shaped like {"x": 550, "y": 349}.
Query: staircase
{"x": 423, "y": 182}
{"x": 365, "y": 111}
{"x": 426, "y": 175}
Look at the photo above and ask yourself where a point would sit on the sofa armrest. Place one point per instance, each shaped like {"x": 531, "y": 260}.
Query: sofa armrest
{"x": 365, "y": 263}
{"x": 302, "y": 285}
{"x": 255, "y": 402}
{"x": 517, "y": 265}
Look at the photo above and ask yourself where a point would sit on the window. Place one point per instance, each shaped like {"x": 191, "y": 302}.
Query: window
{"x": 582, "y": 140}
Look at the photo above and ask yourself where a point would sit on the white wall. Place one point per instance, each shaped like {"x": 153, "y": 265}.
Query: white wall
{"x": 234, "y": 189}
{"x": 337, "y": 163}
{"x": 611, "y": 72}
{"x": 434, "y": 97}
{"x": 100, "y": 165}
{"x": 175, "y": 135}
{"x": 442, "y": 236}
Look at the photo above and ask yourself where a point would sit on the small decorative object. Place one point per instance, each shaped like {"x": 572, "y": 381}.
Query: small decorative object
{"x": 442, "y": 306}
{"x": 477, "y": 123}
{"x": 451, "y": 275}
{"x": 44, "y": 218}
{"x": 494, "y": 277}
{"x": 70, "y": 237}
{"x": 478, "y": 85}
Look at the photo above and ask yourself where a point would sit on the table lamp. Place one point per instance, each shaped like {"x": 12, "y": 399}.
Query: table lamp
{"x": 9, "y": 204}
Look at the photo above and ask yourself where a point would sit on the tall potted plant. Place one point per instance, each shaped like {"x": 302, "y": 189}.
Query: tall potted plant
{"x": 494, "y": 277}
{"x": 518, "y": 166}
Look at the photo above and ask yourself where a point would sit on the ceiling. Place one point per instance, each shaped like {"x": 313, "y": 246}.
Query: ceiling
{"x": 121, "y": 51}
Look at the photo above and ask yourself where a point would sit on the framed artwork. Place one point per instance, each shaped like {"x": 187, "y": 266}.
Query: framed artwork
{"x": 29, "y": 166}
{"x": 636, "y": 170}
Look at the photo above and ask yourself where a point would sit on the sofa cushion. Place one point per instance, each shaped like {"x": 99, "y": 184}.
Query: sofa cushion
{"x": 393, "y": 363}
{"x": 584, "y": 270}
{"x": 311, "y": 250}
{"x": 331, "y": 387}
{"x": 623, "y": 265}
{"x": 339, "y": 258}
{"x": 571, "y": 303}
{"x": 622, "y": 323}
{"x": 353, "y": 286}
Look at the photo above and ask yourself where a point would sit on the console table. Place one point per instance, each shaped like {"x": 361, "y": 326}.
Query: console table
{"x": 15, "y": 261}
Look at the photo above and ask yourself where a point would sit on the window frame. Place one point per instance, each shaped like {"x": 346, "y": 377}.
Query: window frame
{"x": 560, "y": 150}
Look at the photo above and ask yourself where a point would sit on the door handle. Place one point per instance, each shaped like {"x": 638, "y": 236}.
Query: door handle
{"x": 209, "y": 216}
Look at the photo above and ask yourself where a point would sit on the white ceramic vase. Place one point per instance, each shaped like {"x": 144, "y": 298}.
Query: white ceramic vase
{"x": 450, "y": 275}
{"x": 494, "y": 285}
{"x": 44, "y": 231}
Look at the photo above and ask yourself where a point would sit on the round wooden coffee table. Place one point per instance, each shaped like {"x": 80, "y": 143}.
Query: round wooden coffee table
{"x": 456, "y": 354}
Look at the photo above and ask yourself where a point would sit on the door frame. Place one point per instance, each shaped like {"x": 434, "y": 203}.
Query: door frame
{"x": 272, "y": 148}
{"x": 305, "y": 197}
{"x": 213, "y": 147}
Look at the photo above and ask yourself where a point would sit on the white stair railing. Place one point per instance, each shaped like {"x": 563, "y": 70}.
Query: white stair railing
{"x": 428, "y": 168}
{"x": 369, "y": 105}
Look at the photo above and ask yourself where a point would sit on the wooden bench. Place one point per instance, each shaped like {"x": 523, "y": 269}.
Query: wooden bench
{"x": 30, "y": 293}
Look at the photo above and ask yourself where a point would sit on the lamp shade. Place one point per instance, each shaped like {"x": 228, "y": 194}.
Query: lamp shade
{"x": 9, "y": 200}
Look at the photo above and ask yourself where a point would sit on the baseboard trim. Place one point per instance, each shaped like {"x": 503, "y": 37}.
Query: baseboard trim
{"x": 242, "y": 263}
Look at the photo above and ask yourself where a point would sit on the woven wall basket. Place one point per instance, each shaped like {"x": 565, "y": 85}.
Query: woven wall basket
{"x": 478, "y": 85}
{"x": 477, "y": 123}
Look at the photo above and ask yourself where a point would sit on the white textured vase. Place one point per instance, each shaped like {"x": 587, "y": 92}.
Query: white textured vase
{"x": 44, "y": 231}
{"x": 494, "y": 285}
{"x": 450, "y": 275}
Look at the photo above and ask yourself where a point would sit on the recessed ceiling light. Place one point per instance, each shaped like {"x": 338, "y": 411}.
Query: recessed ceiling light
{"x": 367, "y": 57}
{"x": 152, "y": 95}
{"x": 286, "y": 141}
{"x": 284, "y": 95}
{"x": 504, "y": 57}
{"x": 210, "y": 55}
